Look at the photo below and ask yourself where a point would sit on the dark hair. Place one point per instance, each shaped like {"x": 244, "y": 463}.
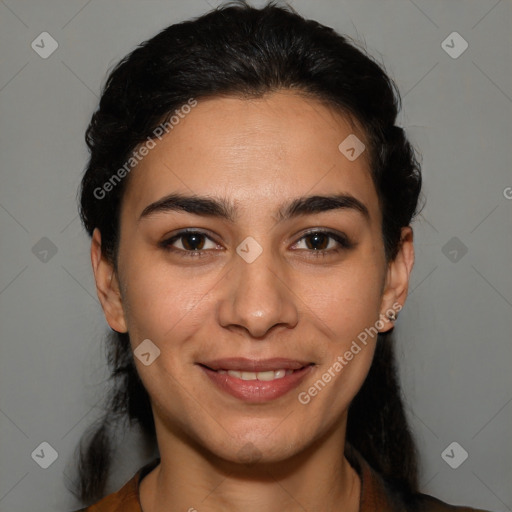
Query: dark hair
{"x": 242, "y": 51}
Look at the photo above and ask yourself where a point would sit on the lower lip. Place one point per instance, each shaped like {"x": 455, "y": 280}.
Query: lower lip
{"x": 257, "y": 391}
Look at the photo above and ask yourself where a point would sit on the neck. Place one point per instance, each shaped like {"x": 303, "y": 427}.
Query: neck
{"x": 190, "y": 479}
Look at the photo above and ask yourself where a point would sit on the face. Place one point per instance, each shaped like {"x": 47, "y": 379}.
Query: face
{"x": 259, "y": 279}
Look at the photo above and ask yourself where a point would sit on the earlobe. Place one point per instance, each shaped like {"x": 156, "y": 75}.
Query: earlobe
{"x": 107, "y": 286}
{"x": 397, "y": 280}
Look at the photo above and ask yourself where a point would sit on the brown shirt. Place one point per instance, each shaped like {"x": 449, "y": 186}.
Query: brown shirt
{"x": 375, "y": 495}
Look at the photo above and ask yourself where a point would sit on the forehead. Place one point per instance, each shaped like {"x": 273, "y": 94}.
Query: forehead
{"x": 259, "y": 152}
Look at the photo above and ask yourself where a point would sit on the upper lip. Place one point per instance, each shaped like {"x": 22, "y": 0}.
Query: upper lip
{"x": 255, "y": 365}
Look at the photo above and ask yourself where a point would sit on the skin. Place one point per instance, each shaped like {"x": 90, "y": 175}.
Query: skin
{"x": 259, "y": 153}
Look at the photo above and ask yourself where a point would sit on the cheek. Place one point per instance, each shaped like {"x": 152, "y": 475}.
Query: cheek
{"x": 162, "y": 301}
{"x": 349, "y": 299}
{"x": 335, "y": 384}
{"x": 353, "y": 310}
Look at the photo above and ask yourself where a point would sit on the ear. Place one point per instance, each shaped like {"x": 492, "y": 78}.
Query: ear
{"x": 107, "y": 286}
{"x": 397, "y": 279}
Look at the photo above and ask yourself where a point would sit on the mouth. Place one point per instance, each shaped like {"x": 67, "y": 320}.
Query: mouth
{"x": 263, "y": 376}
{"x": 256, "y": 380}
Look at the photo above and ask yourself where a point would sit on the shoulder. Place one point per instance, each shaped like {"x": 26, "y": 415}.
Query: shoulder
{"x": 125, "y": 499}
{"x": 377, "y": 493}
{"x": 418, "y": 502}
{"x": 425, "y": 503}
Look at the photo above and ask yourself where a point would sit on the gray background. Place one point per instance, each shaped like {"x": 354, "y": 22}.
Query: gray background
{"x": 454, "y": 333}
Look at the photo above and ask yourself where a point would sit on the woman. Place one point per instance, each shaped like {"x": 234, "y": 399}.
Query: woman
{"x": 249, "y": 199}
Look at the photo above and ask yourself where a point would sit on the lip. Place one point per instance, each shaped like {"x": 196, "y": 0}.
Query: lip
{"x": 256, "y": 391}
{"x": 255, "y": 365}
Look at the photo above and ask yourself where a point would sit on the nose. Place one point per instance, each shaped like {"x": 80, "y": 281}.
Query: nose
{"x": 257, "y": 297}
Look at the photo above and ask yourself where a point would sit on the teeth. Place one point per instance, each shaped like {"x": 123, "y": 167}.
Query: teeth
{"x": 265, "y": 376}
{"x": 270, "y": 375}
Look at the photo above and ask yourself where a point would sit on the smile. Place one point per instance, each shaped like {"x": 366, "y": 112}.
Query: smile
{"x": 264, "y": 376}
{"x": 256, "y": 381}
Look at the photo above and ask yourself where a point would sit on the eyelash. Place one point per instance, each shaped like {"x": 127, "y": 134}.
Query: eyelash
{"x": 342, "y": 240}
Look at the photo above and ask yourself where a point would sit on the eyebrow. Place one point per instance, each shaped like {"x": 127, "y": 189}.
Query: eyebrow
{"x": 224, "y": 209}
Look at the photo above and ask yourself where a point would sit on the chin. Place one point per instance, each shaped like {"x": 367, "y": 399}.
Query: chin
{"x": 251, "y": 449}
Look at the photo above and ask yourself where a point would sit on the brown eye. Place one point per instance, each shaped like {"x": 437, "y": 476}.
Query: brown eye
{"x": 320, "y": 243}
{"x": 193, "y": 243}
{"x": 317, "y": 241}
